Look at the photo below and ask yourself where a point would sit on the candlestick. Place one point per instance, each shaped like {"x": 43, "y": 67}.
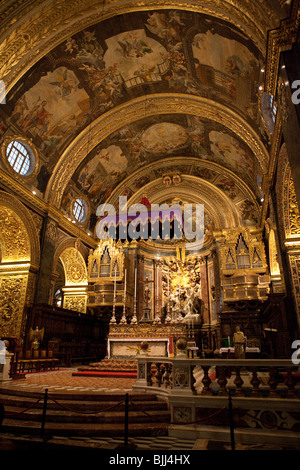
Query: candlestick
{"x": 157, "y": 317}
{"x": 179, "y": 317}
{"x": 134, "y": 318}
{"x": 168, "y": 318}
{"x": 123, "y": 319}
{"x": 125, "y": 285}
{"x": 113, "y": 318}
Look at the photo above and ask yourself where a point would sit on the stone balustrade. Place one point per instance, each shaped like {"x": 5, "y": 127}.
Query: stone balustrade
{"x": 215, "y": 377}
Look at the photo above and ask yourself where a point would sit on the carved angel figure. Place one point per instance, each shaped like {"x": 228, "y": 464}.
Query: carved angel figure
{"x": 36, "y": 337}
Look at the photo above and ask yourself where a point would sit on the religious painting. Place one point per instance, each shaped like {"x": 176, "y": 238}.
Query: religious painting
{"x": 248, "y": 212}
{"x": 112, "y": 62}
{"x": 152, "y": 139}
{"x": 102, "y": 172}
{"x": 228, "y": 186}
{"x": 54, "y": 107}
{"x": 229, "y": 151}
{"x": 228, "y": 68}
{"x": 204, "y": 173}
{"x": 164, "y": 138}
{"x": 137, "y": 56}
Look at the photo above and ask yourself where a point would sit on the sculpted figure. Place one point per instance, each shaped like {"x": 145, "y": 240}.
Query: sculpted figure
{"x": 36, "y": 337}
{"x": 239, "y": 343}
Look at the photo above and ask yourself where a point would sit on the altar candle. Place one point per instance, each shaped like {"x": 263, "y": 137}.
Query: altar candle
{"x": 115, "y": 284}
{"x": 125, "y": 285}
{"x": 135, "y": 283}
{"x": 228, "y": 340}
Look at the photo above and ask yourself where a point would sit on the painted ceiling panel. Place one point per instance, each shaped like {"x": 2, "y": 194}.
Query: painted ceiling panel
{"x": 126, "y": 57}
{"x": 155, "y": 138}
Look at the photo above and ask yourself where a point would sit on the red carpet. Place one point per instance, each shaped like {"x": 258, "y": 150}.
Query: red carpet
{"x": 119, "y": 374}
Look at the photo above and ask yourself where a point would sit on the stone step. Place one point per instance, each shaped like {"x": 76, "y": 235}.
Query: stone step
{"x": 111, "y": 365}
{"x": 78, "y": 405}
{"x": 89, "y": 429}
{"x": 65, "y": 416}
{"x": 148, "y": 417}
{"x": 79, "y": 396}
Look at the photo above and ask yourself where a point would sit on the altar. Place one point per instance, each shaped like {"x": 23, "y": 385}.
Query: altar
{"x": 131, "y": 340}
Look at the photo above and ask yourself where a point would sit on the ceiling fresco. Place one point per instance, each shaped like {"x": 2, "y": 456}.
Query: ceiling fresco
{"x": 153, "y": 139}
{"x": 130, "y": 56}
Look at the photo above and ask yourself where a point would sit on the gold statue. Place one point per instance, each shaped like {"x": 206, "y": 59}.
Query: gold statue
{"x": 36, "y": 337}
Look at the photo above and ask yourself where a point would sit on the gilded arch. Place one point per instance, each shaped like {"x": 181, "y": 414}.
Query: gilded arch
{"x": 74, "y": 266}
{"x": 20, "y": 260}
{"x": 18, "y": 233}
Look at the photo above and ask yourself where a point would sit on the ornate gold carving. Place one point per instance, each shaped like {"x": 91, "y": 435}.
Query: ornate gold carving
{"x": 75, "y": 302}
{"x": 295, "y": 272}
{"x": 294, "y": 215}
{"x": 280, "y": 39}
{"x": 19, "y": 236}
{"x": 12, "y": 298}
{"x": 51, "y": 231}
{"x": 115, "y": 257}
{"x": 38, "y": 221}
{"x": 144, "y": 330}
{"x": 228, "y": 252}
{"x": 15, "y": 241}
{"x": 74, "y": 267}
{"x": 274, "y": 265}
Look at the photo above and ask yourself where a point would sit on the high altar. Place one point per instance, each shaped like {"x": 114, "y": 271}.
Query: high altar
{"x": 154, "y": 296}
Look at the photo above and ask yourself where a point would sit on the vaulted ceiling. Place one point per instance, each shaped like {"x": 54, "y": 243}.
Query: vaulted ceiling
{"x": 114, "y": 96}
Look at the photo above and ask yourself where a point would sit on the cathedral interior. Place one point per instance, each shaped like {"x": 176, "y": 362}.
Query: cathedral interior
{"x": 186, "y": 104}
